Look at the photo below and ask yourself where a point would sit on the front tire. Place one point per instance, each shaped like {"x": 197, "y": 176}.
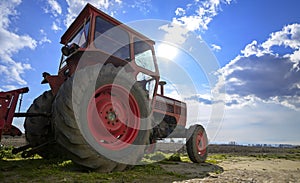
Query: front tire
{"x": 196, "y": 144}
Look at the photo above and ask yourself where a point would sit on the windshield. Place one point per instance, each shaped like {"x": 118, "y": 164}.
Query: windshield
{"x": 112, "y": 39}
{"x": 143, "y": 55}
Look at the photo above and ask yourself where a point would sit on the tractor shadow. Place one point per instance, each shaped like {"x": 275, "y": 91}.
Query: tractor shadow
{"x": 193, "y": 170}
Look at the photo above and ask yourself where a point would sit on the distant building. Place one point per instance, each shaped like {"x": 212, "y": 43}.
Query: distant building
{"x": 232, "y": 143}
{"x": 286, "y": 146}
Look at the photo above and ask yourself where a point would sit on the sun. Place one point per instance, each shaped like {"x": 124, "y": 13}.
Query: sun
{"x": 166, "y": 51}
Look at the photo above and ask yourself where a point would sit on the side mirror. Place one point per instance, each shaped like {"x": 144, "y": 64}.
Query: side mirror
{"x": 65, "y": 50}
{"x": 68, "y": 50}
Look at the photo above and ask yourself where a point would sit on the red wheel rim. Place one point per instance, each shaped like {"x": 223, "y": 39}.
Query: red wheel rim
{"x": 201, "y": 143}
{"x": 113, "y": 117}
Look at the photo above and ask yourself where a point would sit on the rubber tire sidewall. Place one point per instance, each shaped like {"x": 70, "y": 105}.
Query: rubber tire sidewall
{"x": 38, "y": 129}
{"x": 191, "y": 144}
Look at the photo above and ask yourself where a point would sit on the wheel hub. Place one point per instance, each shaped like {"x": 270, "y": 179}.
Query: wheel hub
{"x": 111, "y": 116}
{"x": 113, "y": 124}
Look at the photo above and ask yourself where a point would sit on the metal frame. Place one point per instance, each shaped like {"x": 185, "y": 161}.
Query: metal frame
{"x": 8, "y": 104}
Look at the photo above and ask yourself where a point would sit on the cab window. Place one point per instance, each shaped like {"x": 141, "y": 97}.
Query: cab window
{"x": 143, "y": 54}
{"x": 81, "y": 37}
{"x": 112, "y": 39}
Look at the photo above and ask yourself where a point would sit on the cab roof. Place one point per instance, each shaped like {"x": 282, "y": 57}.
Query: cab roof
{"x": 89, "y": 11}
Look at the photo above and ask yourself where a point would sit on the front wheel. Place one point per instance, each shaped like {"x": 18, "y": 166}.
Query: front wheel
{"x": 197, "y": 143}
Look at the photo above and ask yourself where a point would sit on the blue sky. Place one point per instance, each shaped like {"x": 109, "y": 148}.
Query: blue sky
{"x": 256, "y": 44}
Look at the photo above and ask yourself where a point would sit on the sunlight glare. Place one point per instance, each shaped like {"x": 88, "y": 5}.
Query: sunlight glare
{"x": 167, "y": 51}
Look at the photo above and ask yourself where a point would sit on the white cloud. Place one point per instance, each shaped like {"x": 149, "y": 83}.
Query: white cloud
{"x": 119, "y": 1}
{"x": 295, "y": 57}
{"x": 55, "y": 27}
{"x": 261, "y": 74}
{"x": 44, "y": 39}
{"x": 11, "y": 72}
{"x": 201, "y": 98}
{"x": 174, "y": 33}
{"x": 11, "y": 43}
{"x": 289, "y": 36}
{"x": 254, "y": 49}
{"x": 8, "y": 87}
{"x": 192, "y": 23}
{"x": 201, "y": 17}
{"x": 76, "y": 6}
{"x": 195, "y": 17}
{"x": 180, "y": 12}
{"x": 215, "y": 47}
{"x": 55, "y": 8}
{"x": 143, "y": 6}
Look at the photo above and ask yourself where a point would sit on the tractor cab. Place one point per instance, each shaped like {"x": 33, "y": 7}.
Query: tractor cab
{"x": 94, "y": 37}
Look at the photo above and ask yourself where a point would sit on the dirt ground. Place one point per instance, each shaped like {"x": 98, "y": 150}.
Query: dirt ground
{"x": 240, "y": 169}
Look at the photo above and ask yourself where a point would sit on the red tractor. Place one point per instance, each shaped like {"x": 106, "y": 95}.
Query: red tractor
{"x": 106, "y": 105}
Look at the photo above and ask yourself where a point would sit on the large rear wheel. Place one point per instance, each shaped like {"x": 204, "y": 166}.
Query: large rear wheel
{"x": 101, "y": 118}
{"x": 38, "y": 129}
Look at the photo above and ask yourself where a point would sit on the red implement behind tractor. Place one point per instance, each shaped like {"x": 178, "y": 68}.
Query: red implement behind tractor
{"x": 106, "y": 105}
{"x": 8, "y": 104}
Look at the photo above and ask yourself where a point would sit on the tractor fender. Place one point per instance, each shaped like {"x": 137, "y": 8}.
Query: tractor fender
{"x": 55, "y": 81}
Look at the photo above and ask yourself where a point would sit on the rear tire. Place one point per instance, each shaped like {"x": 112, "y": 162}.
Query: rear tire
{"x": 81, "y": 135}
{"x": 196, "y": 144}
{"x": 38, "y": 129}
